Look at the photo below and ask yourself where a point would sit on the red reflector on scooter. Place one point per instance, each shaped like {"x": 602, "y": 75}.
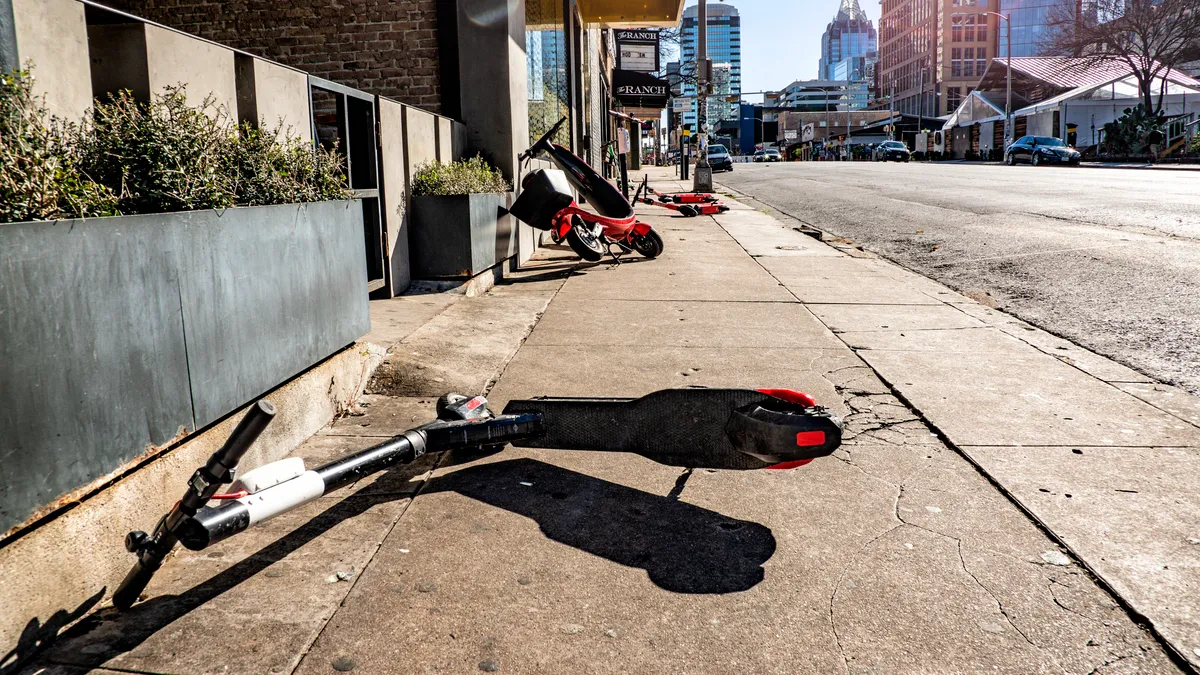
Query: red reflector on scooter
{"x": 799, "y": 398}
{"x": 788, "y": 465}
{"x": 807, "y": 439}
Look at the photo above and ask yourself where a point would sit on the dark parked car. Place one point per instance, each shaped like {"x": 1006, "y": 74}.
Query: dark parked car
{"x": 768, "y": 155}
{"x": 719, "y": 159}
{"x": 892, "y": 151}
{"x": 1041, "y": 150}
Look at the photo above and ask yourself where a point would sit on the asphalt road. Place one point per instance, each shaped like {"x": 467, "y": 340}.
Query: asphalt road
{"x": 1108, "y": 258}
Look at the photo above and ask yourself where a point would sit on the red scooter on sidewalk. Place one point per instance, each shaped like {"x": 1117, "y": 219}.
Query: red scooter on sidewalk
{"x": 548, "y": 203}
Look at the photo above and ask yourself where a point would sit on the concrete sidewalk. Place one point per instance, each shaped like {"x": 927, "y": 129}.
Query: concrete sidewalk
{"x": 896, "y": 555}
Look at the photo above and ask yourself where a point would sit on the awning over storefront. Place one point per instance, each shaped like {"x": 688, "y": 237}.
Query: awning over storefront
{"x": 632, "y": 13}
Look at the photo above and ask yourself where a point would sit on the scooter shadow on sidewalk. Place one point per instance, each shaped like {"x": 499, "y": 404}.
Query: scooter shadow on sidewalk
{"x": 683, "y": 548}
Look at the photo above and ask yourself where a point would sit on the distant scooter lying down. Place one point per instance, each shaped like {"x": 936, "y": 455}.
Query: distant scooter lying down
{"x": 735, "y": 429}
{"x": 689, "y": 204}
{"x": 547, "y": 203}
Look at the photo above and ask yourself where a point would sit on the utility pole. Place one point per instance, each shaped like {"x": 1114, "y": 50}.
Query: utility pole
{"x": 1008, "y": 126}
{"x": 920, "y": 99}
{"x": 849, "y": 71}
{"x": 892, "y": 114}
{"x": 703, "y": 177}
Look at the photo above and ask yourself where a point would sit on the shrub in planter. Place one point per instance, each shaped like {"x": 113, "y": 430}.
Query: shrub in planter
{"x": 464, "y": 177}
{"x": 39, "y": 175}
{"x": 132, "y": 158}
{"x": 460, "y": 225}
{"x": 169, "y": 156}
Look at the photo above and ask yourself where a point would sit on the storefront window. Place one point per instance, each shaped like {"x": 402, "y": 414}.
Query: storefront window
{"x": 545, "y": 49}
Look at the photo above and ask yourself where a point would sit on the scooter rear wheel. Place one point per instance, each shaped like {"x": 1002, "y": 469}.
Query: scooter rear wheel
{"x": 586, "y": 240}
{"x": 650, "y": 245}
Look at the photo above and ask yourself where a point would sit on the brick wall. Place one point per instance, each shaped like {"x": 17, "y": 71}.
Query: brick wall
{"x": 387, "y": 47}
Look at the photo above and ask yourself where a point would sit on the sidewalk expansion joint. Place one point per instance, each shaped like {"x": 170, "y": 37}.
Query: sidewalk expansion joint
{"x": 1139, "y": 619}
{"x": 430, "y": 476}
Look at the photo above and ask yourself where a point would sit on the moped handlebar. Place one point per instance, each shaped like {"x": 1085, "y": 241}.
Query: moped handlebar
{"x": 533, "y": 149}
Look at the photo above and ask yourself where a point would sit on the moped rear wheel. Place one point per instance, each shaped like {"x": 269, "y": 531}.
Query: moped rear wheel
{"x": 650, "y": 245}
{"x": 586, "y": 240}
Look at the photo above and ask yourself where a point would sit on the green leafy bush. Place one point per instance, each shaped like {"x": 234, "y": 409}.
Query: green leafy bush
{"x": 162, "y": 157}
{"x": 38, "y": 176}
{"x": 273, "y": 168}
{"x": 132, "y": 157}
{"x": 464, "y": 177}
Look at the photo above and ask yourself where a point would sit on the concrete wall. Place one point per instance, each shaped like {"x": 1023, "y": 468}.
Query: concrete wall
{"x": 206, "y": 68}
{"x": 420, "y": 140}
{"x": 53, "y": 36}
{"x": 273, "y": 97}
{"x": 395, "y": 192}
{"x": 145, "y": 59}
{"x": 118, "y": 60}
{"x": 445, "y": 140}
{"x": 493, "y": 91}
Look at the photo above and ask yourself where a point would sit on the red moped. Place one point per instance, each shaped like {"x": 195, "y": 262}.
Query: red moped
{"x": 547, "y": 202}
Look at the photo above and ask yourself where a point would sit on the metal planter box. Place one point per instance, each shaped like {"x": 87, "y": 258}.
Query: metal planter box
{"x": 460, "y": 236}
{"x": 121, "y": 335}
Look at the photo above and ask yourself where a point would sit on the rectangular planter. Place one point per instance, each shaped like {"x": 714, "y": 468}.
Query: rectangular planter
{"x": 122, "y": 335}
{"x": 460, "y": 236}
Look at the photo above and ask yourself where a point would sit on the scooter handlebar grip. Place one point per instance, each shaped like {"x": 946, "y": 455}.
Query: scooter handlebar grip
{"x": 247, "y": 431}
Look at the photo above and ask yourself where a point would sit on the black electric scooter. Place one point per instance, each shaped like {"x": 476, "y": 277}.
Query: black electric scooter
{"x": 734, "y": 429}
{"x": 547, "y": 203}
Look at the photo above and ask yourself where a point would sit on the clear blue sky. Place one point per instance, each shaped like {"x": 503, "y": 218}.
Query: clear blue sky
{"x": 781, "y": 39}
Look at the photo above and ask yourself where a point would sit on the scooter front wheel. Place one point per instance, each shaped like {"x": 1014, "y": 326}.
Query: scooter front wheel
{"x": 650, "y": 245}
{"x": 586, "y": 240}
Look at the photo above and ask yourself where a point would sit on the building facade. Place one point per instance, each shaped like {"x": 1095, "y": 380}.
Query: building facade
{"x": 824, "y": 95}
{"x": 850, "y": 36}
{"x": 1030, "y": 20}
{"x": 724, "y": 47}
{"x": 933, "y": 52}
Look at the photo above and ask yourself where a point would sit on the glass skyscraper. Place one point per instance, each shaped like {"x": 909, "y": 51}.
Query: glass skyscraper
{"x": 851, "y": 35}
{"x": 724, "y": 46}
{"x": 1030, "y": 25}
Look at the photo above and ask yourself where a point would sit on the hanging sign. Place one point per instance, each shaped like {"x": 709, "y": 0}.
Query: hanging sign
{"x": 637, "y": 50}
{"x": 640, "y": 90}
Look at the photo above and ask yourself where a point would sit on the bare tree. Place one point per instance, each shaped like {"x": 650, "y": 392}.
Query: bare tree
{"x": 1151, "y": 37}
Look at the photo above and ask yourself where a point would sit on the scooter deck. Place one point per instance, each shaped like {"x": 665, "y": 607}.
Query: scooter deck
{"x": 739, "y": 429}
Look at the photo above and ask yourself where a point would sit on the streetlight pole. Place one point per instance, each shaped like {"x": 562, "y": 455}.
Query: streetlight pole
{"x": 703, "y": 177}
{"x": 920, "y": 98}
{"x": 1008, "y": 126}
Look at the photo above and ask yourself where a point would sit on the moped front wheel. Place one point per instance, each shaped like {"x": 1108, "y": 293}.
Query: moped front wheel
{"x": 586, "y": 240}
{"x": 650, "y": 245}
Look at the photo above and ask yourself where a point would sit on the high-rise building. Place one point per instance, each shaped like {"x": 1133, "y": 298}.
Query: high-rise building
{"x": 933, "y": 52}
{"x": 724, "y": 46}
{"x": 851, "y": 35}
{"x": 1031, "y": 21}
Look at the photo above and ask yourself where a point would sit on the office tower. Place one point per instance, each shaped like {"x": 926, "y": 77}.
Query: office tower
{"x": 724, "y": 46}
